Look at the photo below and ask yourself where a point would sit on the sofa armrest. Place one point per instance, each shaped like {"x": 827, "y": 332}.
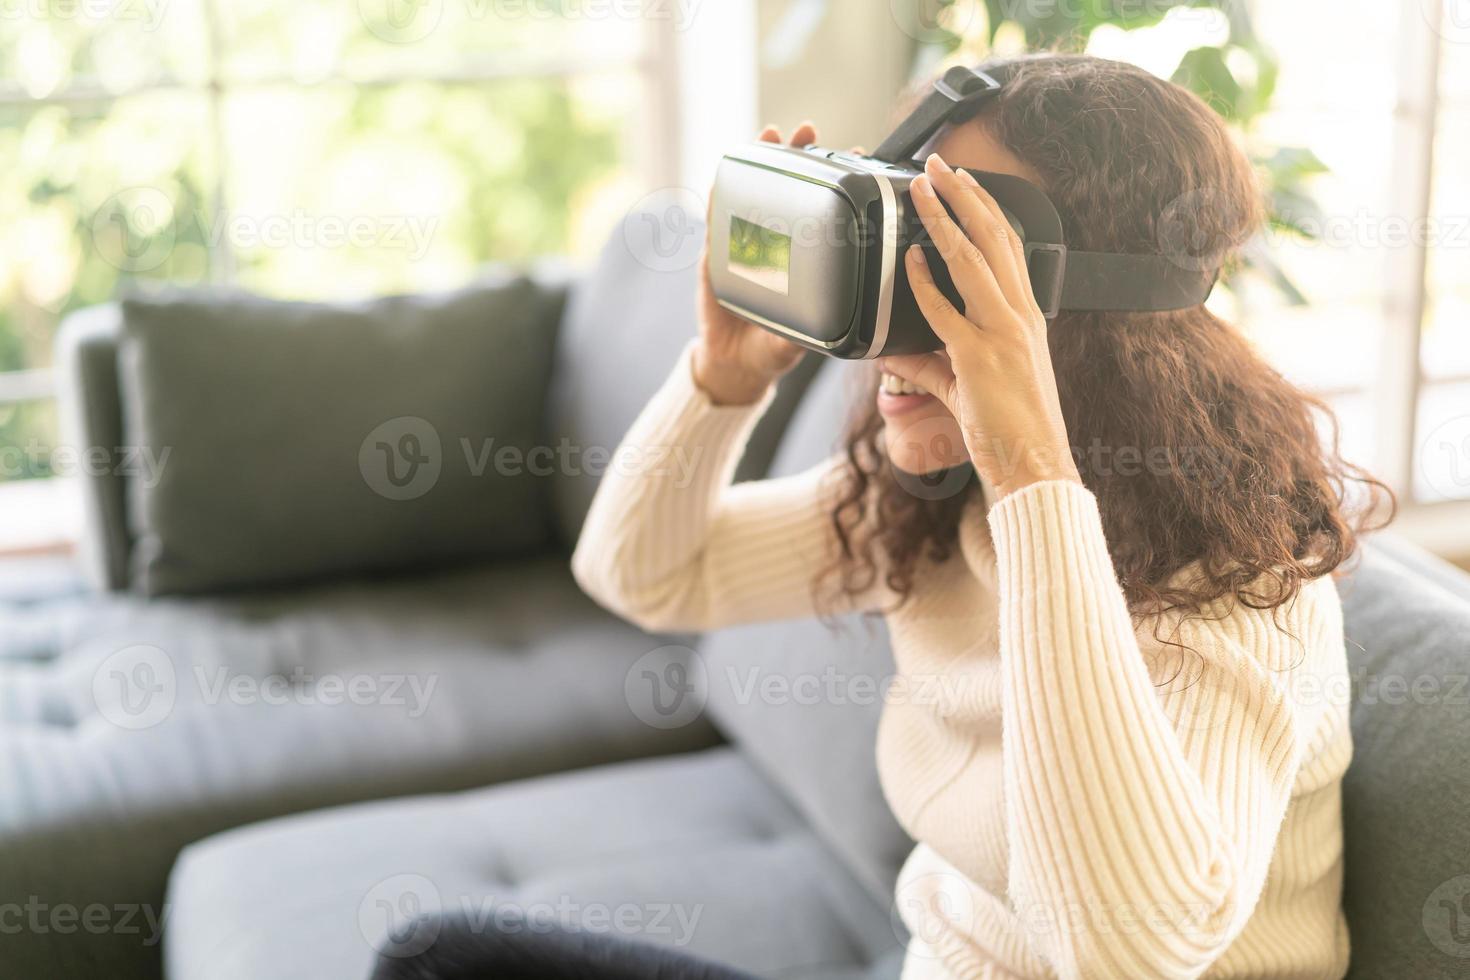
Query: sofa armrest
{"x": 92, "y": 426}
{"x": 1432, "y": 567}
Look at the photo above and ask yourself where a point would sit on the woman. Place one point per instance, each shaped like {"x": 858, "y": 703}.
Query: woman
{"x": 1134, "y": 771}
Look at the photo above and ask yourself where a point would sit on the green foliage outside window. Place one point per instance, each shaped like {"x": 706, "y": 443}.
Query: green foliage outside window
{"x": 1237, "y": 78}
{"x": 310, "y": 151}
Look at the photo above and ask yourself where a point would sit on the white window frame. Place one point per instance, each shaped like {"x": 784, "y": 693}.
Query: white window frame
{"x": 1442, "y": 526}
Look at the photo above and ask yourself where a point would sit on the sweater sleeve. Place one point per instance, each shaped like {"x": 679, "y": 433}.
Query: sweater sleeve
{"x": 1141, "y": 816}
{"x": 671, "y": 545}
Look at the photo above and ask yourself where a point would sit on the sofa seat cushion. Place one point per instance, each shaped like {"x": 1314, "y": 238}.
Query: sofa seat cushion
{"x": 697, "y": 850}
{"x": 130, "y": 728}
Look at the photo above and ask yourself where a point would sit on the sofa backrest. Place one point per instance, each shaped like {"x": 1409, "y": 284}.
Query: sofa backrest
{"x": 1407, "y": 793}
{"x": 91, "y": 421}
{"x": 627, "y": 321}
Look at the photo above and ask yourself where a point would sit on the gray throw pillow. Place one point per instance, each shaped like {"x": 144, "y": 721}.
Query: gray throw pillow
{"x": 297, "y": 440}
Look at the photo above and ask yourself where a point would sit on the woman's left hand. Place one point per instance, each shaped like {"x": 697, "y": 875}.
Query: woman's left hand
{"x": 994, "y": 373}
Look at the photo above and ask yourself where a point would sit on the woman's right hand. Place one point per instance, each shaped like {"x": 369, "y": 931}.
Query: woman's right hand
{"x": 735, "y": 360}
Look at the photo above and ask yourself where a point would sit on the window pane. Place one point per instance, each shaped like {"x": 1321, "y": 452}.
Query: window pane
{"x": 1445, "y": 342}
{"x": 92, "y": 197}
{"x": 1356, "y": 427}
{"x": 1321, "y": 104}
{"x": 1442, "y": 443}
{"x": 346, "y": 190}
{"x": 46, "y": 48}
{"x": 27, "y": 438}
{"x": 311, "y": 40}
{"x": 1442, "y": 464}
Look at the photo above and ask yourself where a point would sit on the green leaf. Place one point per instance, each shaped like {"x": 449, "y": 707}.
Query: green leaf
{"x": 1257, "y": 258}
{"x": 1204, "y": 72}
{"x": 1294, "y": 163}
{"x": 995, "y": 15}
{"x": 1126, "y": 14}
{"x": 1291, "y": 210}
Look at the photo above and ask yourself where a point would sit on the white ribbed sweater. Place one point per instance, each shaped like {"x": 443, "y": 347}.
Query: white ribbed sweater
{"x": 1088, "y": 802}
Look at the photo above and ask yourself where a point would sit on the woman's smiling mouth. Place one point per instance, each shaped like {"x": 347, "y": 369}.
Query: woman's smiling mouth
{"x": 897, "y": 395}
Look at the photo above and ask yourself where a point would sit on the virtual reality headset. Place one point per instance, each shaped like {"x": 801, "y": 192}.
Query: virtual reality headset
{"x": 809, "y": 242}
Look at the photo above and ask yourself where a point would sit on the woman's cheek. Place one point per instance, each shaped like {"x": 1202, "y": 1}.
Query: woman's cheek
{"x": 926, "y": 440}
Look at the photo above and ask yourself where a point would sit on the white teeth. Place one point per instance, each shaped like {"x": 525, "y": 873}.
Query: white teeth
{"x": 895, "y": 385}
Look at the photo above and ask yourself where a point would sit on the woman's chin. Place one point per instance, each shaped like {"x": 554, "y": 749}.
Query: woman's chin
{"x": 912, "y": 460}
{"x": 908, "y": 466}
{"x": 924, "y": 445}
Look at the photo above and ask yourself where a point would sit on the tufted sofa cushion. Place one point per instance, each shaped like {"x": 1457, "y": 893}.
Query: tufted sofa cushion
{"x": 696, "y": 849}
{"x": 129, "y": 729}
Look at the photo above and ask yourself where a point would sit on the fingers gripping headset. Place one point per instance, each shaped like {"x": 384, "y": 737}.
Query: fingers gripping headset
{"x": 809, "y": 242}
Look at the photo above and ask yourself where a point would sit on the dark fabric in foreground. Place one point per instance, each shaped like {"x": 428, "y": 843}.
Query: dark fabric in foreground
{"x": 513, "y": 947}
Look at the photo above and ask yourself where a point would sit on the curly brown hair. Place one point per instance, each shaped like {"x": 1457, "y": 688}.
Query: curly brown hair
{"x": 1249, "y": 496}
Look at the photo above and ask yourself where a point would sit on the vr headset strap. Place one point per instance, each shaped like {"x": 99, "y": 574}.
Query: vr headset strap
{"x": 955, "y": 97}
{"x": 1111, "y": 281}
{"x": 1062, "y": 278}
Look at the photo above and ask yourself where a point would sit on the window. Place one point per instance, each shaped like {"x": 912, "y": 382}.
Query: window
{"x": 1381, "y": 94}
{"x": 302, "y": 148}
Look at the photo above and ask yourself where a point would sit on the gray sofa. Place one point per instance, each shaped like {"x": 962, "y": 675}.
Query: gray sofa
{"x": 554, "y": 767}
